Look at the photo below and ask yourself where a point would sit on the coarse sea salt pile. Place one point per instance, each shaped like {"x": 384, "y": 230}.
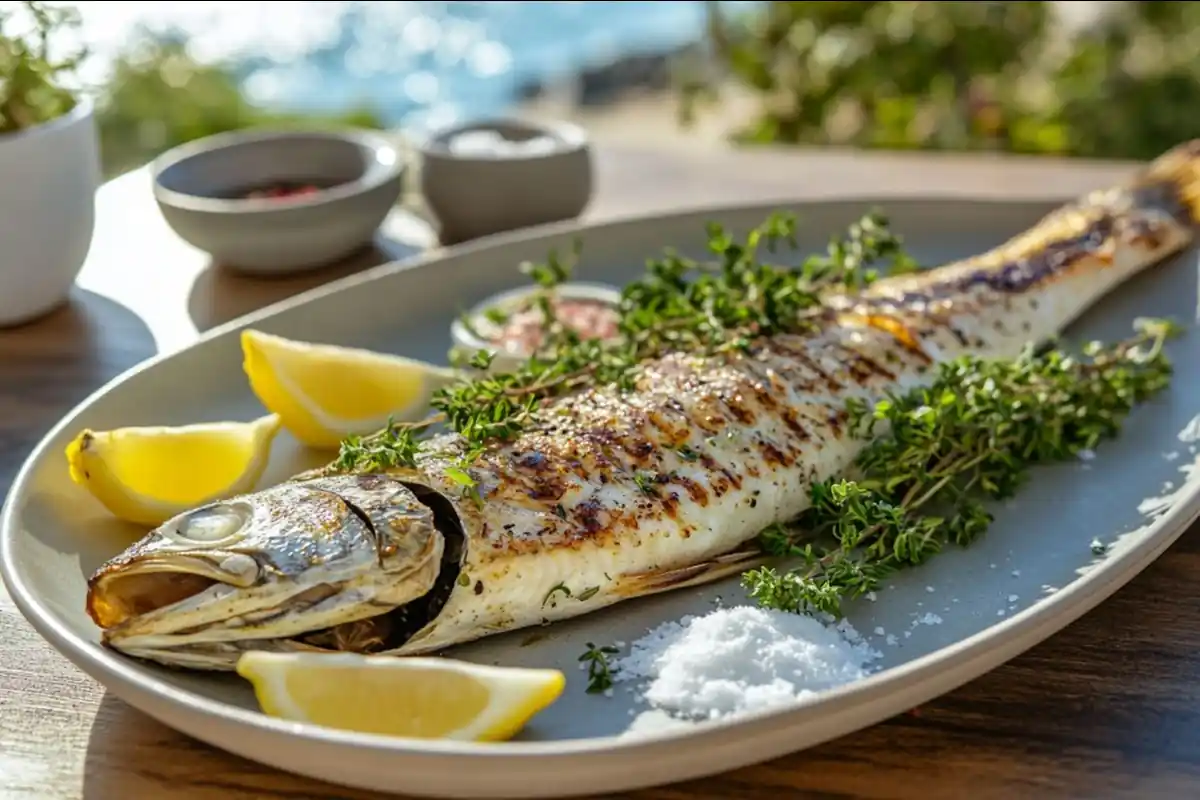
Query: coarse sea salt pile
{"x": 740, "y": 659}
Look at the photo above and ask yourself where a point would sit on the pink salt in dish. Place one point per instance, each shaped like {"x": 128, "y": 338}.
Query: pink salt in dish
{"x": 511, "y": 324}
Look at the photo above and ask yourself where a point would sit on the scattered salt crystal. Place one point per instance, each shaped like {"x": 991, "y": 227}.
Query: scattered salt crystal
{"x": 1012, "y": 598}
{"x": 608, "y": 692}
{"x": 891, "y": 640}
{"x": 927, "y": 618}
{"x": 742, "y": 658}
{"x": 1016, "y": 573}
{"x": 1086, "y": 455}
{"x": 847, "y": 630}
{"x": 907, "y": 634}
{"x": 1000, "y": 613}
{"x": 953, "y": 599}
{"x": 871, "y": 596}
{"x": 929, "y": 589}
{"x": 1191, "y": 431}
{"x": 879, "y": 631}
{"x": 991, "y": 566}
{"x": 1171, "y": 456}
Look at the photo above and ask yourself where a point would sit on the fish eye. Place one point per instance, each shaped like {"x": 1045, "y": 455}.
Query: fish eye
{"x": 211, "y": 525}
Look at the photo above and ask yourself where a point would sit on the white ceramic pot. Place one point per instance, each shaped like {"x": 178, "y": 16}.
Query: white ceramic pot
{"x": 48, "y": 180}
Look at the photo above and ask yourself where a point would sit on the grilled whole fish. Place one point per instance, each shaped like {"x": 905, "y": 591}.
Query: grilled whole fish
{"x": 611, "y": 496}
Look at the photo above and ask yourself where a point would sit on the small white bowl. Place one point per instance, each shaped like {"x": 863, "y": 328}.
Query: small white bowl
{"x": 541, "y": 174}
{"x": 510, "y": 357}
{"x": 48, "y": 179}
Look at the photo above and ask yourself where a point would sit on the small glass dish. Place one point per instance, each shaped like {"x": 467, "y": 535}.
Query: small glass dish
{"x": 510, "y": 324}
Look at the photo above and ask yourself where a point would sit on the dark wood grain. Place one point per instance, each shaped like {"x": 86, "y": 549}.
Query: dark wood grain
{"x": 1108, "y": 708}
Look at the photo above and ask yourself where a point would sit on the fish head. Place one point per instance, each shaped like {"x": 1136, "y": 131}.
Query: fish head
{"x": 320, "y": 563}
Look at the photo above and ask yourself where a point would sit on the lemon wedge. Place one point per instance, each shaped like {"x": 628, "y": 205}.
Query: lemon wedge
{"x": 324, "y": 393}
{"x": 148, "y": 475}
{"x": 425, "y": 698}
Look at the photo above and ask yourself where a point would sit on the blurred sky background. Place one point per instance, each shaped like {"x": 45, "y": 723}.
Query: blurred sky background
{"x": 421, "y": 63}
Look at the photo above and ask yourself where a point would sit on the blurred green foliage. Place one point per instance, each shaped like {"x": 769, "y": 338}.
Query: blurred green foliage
{"x": 158, "y": 97}
{"x": 962, "y": 76}
{"x": 31, "y": 75}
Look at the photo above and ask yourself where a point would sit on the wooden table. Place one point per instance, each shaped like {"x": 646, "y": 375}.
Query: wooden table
{"x": 1110, "y": 707}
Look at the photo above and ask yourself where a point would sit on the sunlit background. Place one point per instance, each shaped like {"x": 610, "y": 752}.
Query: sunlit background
{"x": 416, "y": 62}
{"x": 1096, "y": 79}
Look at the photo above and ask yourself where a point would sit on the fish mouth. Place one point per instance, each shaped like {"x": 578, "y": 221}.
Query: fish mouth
{"x": 202, "y": 608}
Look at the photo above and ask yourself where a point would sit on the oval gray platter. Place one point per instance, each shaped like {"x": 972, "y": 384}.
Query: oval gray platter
{"x": 54, "y": 535}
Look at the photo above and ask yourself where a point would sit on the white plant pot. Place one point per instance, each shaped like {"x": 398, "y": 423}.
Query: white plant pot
{"x": 48, "y": 180}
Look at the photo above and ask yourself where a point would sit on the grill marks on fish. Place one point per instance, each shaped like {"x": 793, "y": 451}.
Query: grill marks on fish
{"x": 1077, "y": 236}
{"x": 602, "y": 466}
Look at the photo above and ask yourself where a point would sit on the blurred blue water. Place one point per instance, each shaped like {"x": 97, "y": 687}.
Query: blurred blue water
{"x": 420, "y": 62}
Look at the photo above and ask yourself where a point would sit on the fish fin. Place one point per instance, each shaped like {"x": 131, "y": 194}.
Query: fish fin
{"x": 639, "y": 584}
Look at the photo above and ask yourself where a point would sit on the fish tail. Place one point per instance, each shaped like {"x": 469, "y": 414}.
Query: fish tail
{"x": 1051, "y": 272}
{"x": 1171, "y": 184}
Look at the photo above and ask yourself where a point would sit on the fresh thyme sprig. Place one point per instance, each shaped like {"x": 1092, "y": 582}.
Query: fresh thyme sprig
{"x": 395, "y": 446}
{"x": 679, "y": 304}
{"x": 699, "y": 306}
{"x": 600, "y": 672}
{"x": 970, "y": 437}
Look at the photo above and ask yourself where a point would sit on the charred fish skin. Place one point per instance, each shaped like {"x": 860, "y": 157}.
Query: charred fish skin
{"x": 609, "y": 496}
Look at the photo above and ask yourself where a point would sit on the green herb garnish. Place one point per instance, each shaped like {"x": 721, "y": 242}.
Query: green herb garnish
{"x": 646, "y": 483}
{"x": 600, "y": 672}
{"x": 395, "y": 446}
{"x": 970, "y": 437}
{"x": 678, "y": 305}
{"x": 495, "y": 315}
{"x": 560, "y": 588}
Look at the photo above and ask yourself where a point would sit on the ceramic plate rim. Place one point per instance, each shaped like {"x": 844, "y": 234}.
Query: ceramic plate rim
{"x": 1066, "y": 605}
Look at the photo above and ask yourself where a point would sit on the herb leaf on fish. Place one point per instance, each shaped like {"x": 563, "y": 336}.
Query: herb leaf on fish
{"x": 970, "y": 437}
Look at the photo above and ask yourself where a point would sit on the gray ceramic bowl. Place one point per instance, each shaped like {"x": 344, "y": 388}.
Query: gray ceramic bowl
{"x": 201, "y": 188}
{"x": 496, "y": 175}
